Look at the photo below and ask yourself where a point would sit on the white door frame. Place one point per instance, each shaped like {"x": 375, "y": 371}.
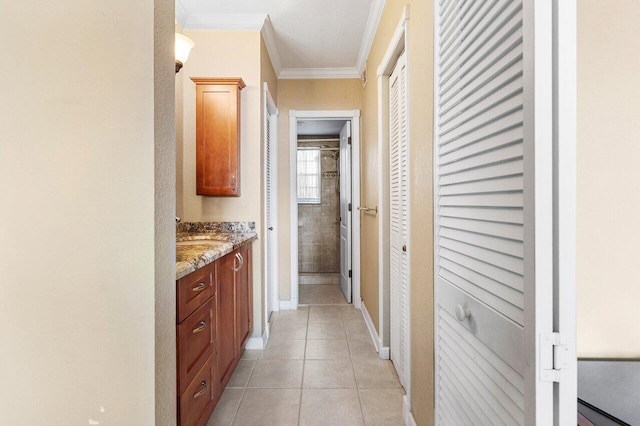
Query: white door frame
{"x": 354, "y": 117}
{"x": 271, "y": 254}
{"x": 397, "y": 44}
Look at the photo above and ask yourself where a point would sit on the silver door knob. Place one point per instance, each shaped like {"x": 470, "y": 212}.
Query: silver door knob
{"x": 462, "y": 312}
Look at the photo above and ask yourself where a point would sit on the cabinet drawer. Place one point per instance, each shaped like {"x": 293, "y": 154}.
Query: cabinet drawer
{"x": 196, "y": 335}
{"x": 198, "y": 395}
{"x": 193, "y": 290}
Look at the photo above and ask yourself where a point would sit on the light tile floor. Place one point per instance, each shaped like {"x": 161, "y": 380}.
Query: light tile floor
{"x": 321, "y": 294}
{"x": 320, "y": 368}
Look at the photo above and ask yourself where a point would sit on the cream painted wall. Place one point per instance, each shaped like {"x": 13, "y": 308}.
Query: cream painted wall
{"x": 77, "y": 257}
{"x": 165, "y": 208}
{"x": 228, "y": 54}
{"x": 420, "y": 87}
{"x": 335, "y": 94}
{"x": 179, "y": 112}
{"x": 608, "y": 176}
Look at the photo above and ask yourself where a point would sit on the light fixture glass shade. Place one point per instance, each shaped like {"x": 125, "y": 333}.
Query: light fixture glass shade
{"x": 183, "y": 47}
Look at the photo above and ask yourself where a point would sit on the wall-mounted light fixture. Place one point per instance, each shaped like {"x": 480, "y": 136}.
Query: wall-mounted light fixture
{"x": 183, "y": 47}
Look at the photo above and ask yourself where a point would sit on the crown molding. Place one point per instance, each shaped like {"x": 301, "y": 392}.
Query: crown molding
{"x": 181, "y": 13}
{"x": 370, "y": 29}
{"x": 224, "y": 21}
{"x": 269, "y": 37}
{"x": 318, "y": 73}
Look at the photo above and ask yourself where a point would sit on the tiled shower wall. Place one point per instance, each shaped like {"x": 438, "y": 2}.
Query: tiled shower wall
{"x": 319, "y": 224}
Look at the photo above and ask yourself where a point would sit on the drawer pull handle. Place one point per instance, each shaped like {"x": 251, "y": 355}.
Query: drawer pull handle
{"x": 199, "y": 287}
{"x": 201, "y": 392}
{"x": 239, "y": 259}
{"x": 201, "y": 326}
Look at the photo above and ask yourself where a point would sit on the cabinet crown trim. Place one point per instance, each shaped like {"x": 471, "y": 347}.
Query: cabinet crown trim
{"x": 220, "y": 80}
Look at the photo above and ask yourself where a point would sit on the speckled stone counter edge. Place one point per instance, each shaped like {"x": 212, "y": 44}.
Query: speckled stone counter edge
{"x": 208, "y": 227}
{"x": 217, "y": 241}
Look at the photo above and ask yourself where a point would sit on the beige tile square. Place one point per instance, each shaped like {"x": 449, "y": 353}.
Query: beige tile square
{"x": 375, "y": 373}
{"x": 326, "y": 331}
{"x": 357, "y": 331}
{"x": 382, "y": 407}
{"x": 251, "y": 354}
{"x": 284, "y": 349}
{"x": 325, "y": 314}
{"x": 327, "y": 349}
{"x": 241, "y": 375}
{"x": 288, "y": 331}
{"x": 362, "y": 349}
{"x": 269, "y": 407}
{"x": 276, "y": 373}
{"x": 335, "y": 407}
{"x": 328, "y": 374}
{"x": 226, "y": 408}
{"x": 351, "y": 314}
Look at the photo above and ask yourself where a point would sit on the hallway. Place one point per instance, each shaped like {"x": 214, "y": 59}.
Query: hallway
{"x": 320, "y": 368}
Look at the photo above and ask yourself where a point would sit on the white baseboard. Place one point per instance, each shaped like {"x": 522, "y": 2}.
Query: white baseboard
{"x": 372, "y": 331}
{"x": 259, "y": 342}
{"x": 385, "y": 352}
{"x": 406, "y": 412}
{"x": 287, "y": 305}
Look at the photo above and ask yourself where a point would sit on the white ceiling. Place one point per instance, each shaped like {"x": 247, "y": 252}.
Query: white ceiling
{"x": 305, "y": 38}
{"x": 320, "y": 127}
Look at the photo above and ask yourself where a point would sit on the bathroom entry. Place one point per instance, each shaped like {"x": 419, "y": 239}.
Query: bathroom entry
{"x": 324, "y": 218}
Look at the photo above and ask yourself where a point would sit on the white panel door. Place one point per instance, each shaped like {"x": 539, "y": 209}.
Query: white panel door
{"x": 345, "y": 211}
{"x": 398, "y": 220}
{"x": 271, "y": 184}
{"x": 493, "y": 213}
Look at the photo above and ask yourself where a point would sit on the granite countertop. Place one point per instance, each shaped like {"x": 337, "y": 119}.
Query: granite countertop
{"x": 200, "y": 243}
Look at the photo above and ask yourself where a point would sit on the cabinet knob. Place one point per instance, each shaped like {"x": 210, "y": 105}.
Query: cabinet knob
{"x": 462, "y": 313}
{"x": 270, "y": 228}
{"x": 404, "y": 248}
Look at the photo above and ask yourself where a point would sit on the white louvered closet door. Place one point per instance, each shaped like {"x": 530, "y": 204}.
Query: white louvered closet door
{"x": 398, "y": 203}
{"x": 493, "y": 273}
{"x": 271, "y": 189}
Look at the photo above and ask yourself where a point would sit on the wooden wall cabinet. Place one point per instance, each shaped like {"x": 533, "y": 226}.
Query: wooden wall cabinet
{"x": 218, "y": 136}
{"x": 214, "y": 321}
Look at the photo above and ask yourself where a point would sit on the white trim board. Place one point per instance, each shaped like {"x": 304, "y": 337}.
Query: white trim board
{"x": 311, "y": 73}
{"x": 347, "y": 115}
{"x": 259, "y": 342}
{"x": 383, "y": 351}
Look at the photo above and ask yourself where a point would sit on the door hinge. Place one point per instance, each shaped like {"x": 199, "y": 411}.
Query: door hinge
{"x": 349, "y": 206}
{"x": 349, "y": 140}
{"x": 349, "y": 273}
{"x": 553, "y": 357}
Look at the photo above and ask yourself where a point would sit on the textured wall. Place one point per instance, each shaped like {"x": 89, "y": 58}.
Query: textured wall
{"x": 420, "y": 87}
{"x": 608, "y": 179}
{"x": 78, "y": 223}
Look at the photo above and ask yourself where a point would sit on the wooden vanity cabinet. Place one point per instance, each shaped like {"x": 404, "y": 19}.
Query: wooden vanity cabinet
{"x": 218, "y": 136}
{"x": 214, "y": 321}
{"x": 234, "y": 288}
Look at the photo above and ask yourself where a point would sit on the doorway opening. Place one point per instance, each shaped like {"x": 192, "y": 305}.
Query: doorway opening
{"x": 324, "y": 230}
{"x": 319, "y": 181}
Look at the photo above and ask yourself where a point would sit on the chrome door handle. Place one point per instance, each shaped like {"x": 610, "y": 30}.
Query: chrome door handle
{"x": 237, "y": 268}
{"x": 241, "y": 260}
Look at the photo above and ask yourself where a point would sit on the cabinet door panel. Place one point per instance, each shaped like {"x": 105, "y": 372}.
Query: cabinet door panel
{"x": 243, "y": 298}
{"x": 226, "y": 349}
